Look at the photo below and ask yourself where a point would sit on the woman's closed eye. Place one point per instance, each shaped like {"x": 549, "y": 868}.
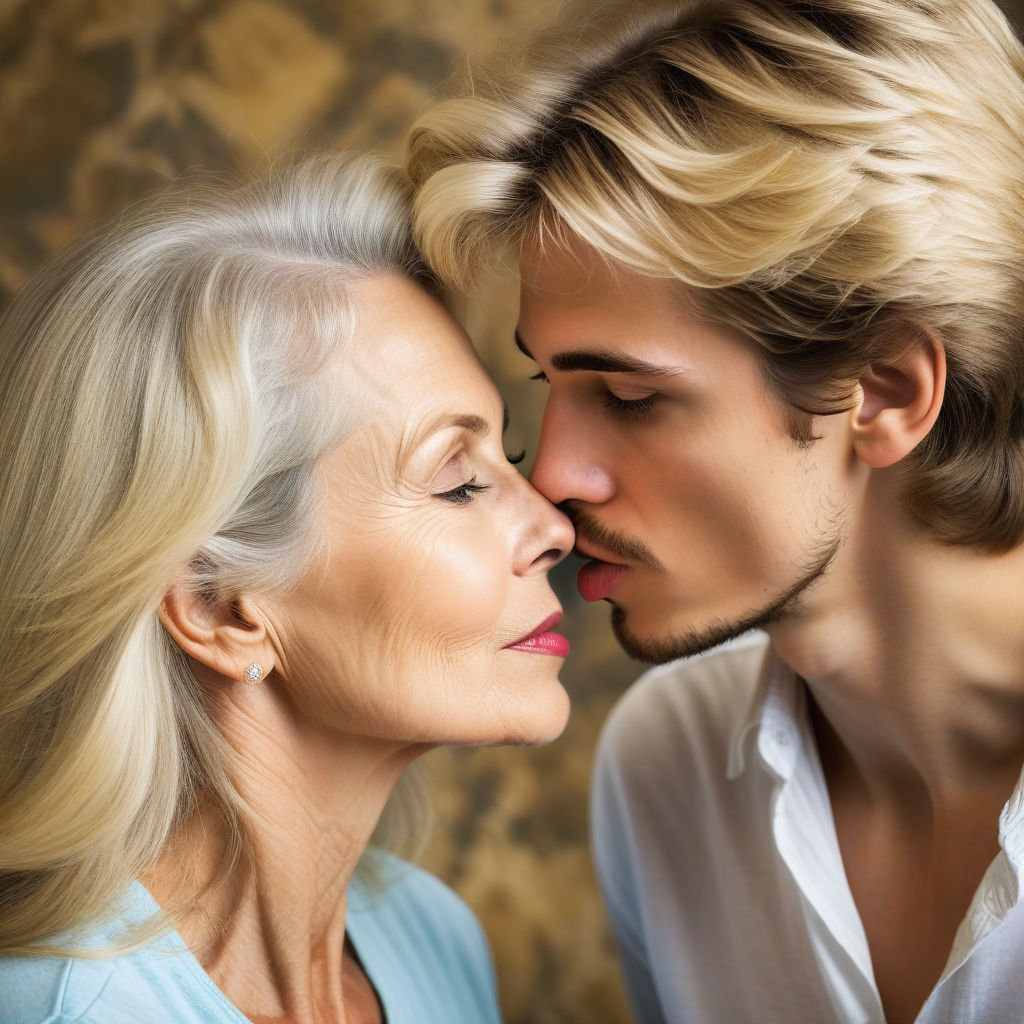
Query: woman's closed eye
{"x": 464, "y": 493}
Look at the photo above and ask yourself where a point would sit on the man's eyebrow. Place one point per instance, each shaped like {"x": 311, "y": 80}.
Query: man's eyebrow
{"x": 602, "y": 360}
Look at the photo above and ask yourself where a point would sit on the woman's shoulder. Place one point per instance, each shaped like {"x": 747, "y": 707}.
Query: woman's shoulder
{"x": 400, "y": 897}
{"x": 402, "y": 917}
{"x": 388, "y": 884}
{"x": 62, "y": 990}
{"x": 46, "y": 989}
{"x": 148, "y": 986}
{"x": 158, "y": 984}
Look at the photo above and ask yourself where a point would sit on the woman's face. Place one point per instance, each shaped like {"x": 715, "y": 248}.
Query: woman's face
{"x": 437, "y": 551}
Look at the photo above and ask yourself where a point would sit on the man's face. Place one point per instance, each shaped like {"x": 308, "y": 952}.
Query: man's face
{"x": 703, "y": 517}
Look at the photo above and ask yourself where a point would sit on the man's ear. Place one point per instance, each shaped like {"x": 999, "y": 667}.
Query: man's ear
{"x": 900, "y": 402}
{"x": 226, "y": 638}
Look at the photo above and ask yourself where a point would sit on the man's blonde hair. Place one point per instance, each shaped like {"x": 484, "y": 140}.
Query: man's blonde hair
{"x": 833, "y": 178}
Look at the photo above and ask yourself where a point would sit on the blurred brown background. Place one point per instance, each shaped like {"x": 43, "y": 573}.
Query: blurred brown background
{"x": 102, "y": 101}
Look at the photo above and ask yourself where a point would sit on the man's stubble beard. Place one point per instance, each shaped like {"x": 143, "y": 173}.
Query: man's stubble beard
{"x": 659, "y": 650}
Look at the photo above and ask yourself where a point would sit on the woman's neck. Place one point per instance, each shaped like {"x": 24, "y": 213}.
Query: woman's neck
{"x": 271, "y": 934}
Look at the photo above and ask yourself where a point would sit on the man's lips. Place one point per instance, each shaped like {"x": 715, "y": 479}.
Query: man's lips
{"x": 542, "y": 641}
{"x": 599, "y": 577}
{"x": 598, "y": 580}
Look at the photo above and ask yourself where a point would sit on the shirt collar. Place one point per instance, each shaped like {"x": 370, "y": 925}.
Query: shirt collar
{"x": 772, "y": 721}
{"x": 1011, "y": 827}
{"x": 773, "y": 717}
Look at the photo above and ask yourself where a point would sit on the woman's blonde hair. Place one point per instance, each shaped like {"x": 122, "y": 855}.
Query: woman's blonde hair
{"x": 831, "y": 177}
{"x": 164, "y": 406}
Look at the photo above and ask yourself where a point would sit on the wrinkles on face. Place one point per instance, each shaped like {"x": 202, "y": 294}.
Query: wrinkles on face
{"x": 399, "y": 627}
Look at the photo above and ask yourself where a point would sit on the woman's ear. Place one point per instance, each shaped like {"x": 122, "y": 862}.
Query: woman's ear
{"x": 900, "y": 403}
{"x": 228, "y": 638}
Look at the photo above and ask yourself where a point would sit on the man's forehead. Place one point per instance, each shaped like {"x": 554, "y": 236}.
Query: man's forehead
{"x": 652, "y": 324}
{"x": 567, "y": 268}
{"x": 578, "y": 276}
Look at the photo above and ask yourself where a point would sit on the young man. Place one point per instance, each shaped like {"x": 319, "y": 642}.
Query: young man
{"x": 772, "y": 261}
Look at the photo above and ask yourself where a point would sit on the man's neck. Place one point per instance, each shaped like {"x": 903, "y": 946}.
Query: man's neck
{"x": 914, "y": 655}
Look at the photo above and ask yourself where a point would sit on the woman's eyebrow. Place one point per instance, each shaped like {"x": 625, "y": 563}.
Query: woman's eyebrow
{"x": 445, "y": 421}
{"x": 413, "y": 441}
{"x": 471, "y": 422}
{"x": 603, "y": 360}
{"x": 466, "y": 420}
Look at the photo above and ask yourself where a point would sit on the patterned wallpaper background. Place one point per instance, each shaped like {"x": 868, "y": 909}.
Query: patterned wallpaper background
{"x": 102, "y": 101}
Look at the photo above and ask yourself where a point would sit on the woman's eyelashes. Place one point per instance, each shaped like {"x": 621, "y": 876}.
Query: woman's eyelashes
{"x": 451, "y": 483}
{"x": 464, "y": 493}
{"x": 457, "y": 483}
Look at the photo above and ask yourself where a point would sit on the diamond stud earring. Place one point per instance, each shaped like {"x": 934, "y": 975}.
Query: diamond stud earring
{"x": 252, "y": 673}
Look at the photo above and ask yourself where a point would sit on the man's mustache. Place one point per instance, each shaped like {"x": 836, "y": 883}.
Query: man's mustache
{"x": 589, "y": 528}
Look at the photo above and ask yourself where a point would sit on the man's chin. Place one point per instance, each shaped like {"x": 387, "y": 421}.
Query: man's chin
{"x": 655, "y": 649}
{"x": 657, "y": 646}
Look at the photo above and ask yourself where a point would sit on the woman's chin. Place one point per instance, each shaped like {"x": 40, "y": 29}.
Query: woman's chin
{"x": 532, "y": 721}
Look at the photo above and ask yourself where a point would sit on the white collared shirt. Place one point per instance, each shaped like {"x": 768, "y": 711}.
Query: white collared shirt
{"x": 721, "y": 871}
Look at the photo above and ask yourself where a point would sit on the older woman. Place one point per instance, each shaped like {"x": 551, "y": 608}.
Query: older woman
{"x": 261, "y": 548}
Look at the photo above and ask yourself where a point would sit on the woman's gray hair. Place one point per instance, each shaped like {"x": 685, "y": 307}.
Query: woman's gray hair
{"x": 164, "y": 408}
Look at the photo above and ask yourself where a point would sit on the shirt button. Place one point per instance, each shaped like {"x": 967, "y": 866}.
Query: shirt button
{"x": 781, "y": 736}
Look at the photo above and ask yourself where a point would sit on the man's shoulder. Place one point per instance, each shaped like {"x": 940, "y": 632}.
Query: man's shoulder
{"x": 666, "y": 811}
{"x": 686, "y": 711}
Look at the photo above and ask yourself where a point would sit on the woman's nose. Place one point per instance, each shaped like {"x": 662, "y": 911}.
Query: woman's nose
{"x": 548, "y": 539}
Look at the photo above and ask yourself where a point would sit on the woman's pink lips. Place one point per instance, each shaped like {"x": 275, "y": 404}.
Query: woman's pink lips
{"x": 542, "y": 640}
{"x": 598, "y": 580}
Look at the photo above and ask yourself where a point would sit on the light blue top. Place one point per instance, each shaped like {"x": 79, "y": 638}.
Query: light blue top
{"x": 420, "y": 945}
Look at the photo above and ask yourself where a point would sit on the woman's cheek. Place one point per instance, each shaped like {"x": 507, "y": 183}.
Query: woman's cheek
{"x": 421, "y": 597}
{"x": 467, "y": 580}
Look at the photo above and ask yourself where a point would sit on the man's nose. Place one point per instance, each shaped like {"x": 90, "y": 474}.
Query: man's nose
{"x": 569, "y": 464}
